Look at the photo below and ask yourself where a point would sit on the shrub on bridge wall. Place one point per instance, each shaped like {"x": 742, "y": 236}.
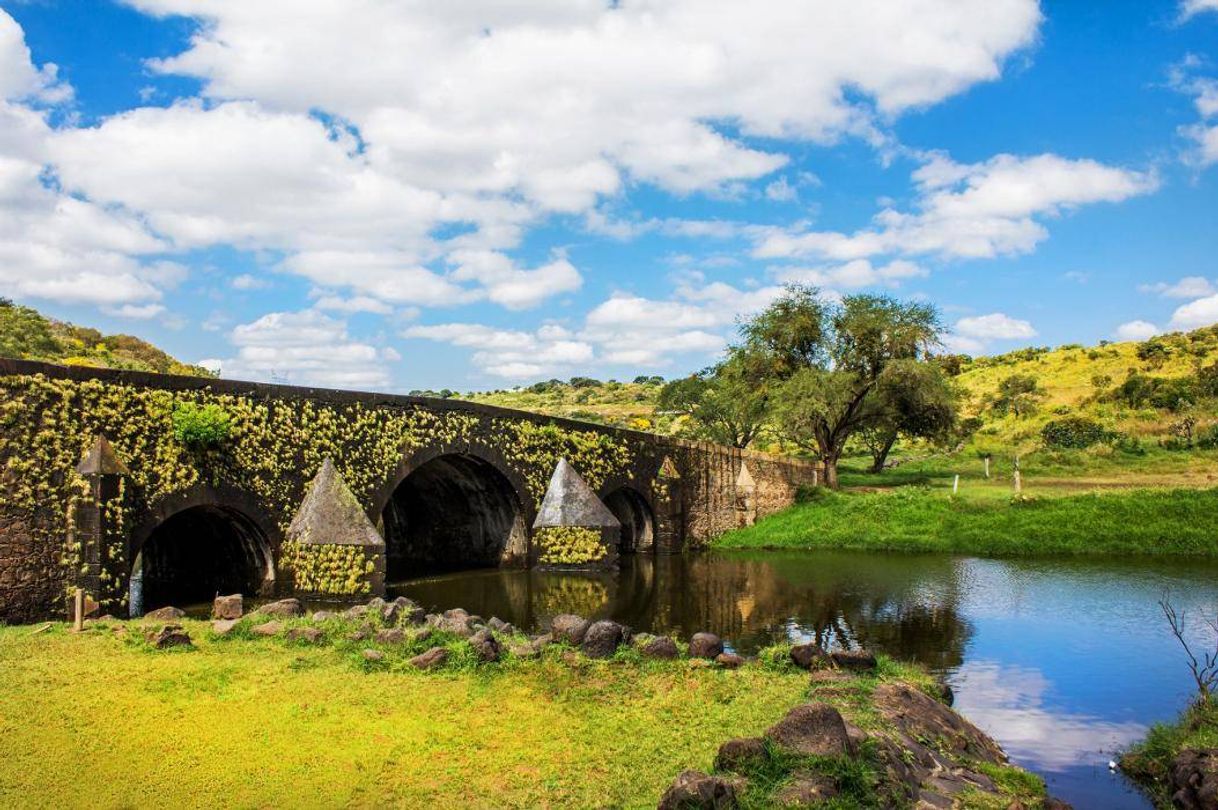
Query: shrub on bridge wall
{"x": 329, "y": 570}
{"x": 570, "y": 545}
{"x": 274, "y": 445}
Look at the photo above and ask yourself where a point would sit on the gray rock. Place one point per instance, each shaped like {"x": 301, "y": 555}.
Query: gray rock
{"x": 661, "y": 647}
{"x": 222, "y": 627}
{"x": 310, "y": 635}
{"x": 390, "y": 635}
{"x": 432, "y": 659}
{"x": 806, "y": 789}
{"x": 360, "y": 635}
{"x": 729, "y": 660}
{"x": 705, "y": 645}
{"x": 501, "y": 627}
{"x": 741, "y": 755}
{"x": 1194, "y": 779}
{"x": 524, "y": 652}
{"x": 283, "y": 608}
{"x": 373, "y": 655}
{"x": 486, "y": 646}
{"x": 808, "y": 656}
{"x": 813, "y": 729}
{"x": 855, "y": 660}
{"x": 324, "y": 616}
{"x": 692, "y": 790}
{"x": 267, "y": 629}
{"x": 455, "y": 621}
{"x": 603, "y": 638}
{"x": 919, "y": 716}
{"x": 171, "y": 635}
{"x": 228, "y": 607}
{"x": 165, "y": 614}
{"x": 567, "y": 628}
{"x": 355, "y": 612}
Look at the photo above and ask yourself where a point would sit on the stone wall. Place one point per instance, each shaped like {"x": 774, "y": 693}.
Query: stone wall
{"x": 51, "y": 415}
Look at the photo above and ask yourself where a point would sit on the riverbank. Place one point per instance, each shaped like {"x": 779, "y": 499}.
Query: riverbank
{"x": 916, "y": 518}
{"x": 1166, "y": 759}
{"x": 245, "y": 720}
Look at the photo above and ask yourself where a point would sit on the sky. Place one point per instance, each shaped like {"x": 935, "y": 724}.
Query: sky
{"x": 429, "y": 194}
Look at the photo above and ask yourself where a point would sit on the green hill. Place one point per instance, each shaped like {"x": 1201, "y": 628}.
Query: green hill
{"x": 28, "y": 335}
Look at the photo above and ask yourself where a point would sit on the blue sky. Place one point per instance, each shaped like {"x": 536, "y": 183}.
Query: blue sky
{"x": 479, "y": 195}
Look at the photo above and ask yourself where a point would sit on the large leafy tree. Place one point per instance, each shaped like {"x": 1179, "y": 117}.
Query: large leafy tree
{"x": 915, "y": 400}
{"x": 727, "y": 403}
{"x": 832, "y": 359}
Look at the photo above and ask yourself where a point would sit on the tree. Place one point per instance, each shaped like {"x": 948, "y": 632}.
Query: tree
{"x": 915, "y": 400}
{"x": 830, "y": 359}
{"x": 727, "y": 402}
{"x": 1018, "y": 394}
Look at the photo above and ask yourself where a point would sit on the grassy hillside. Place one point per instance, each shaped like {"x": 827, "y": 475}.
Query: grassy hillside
{"x": 28, "y": 335}
{"x": 621, "y": 404}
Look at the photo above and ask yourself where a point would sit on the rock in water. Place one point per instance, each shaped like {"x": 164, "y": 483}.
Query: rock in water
{"x": 568, "y": 629}
{"x": 603, "y": 638}
{"x": 813, "y": 729}
{"x": 705, "y": 645}
{"x": 698, "y": 791}
{"x": 227, "y": 607}
{"x": 284, "y": 608}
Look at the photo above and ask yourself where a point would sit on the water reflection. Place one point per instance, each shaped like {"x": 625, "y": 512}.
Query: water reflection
{"x": 1062, "y": 660}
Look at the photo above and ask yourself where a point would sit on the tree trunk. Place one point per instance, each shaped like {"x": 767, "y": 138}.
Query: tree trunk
{"x": 879, "y": 455}
{"x": 831, "y": 472}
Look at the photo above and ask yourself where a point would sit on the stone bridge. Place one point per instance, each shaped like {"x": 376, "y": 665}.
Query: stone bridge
{"x": 326, "y": 493}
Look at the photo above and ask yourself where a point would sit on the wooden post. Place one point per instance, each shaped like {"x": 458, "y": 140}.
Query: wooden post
{"x": 78, "y": 612}
{"x": 987, "y": 466}
{"x": 956, "y": 484}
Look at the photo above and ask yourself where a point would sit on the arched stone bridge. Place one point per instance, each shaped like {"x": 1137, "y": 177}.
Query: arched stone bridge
{"x": 101, "y": 489}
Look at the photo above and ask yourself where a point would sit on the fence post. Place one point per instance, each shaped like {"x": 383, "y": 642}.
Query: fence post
{"x": 956, "y": 484}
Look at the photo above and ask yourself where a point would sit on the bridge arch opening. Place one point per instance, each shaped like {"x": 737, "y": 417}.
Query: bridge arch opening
{"x": 638, "y": 523}
{"x": 197, "y": 553}
{"x": 454, "y": 512}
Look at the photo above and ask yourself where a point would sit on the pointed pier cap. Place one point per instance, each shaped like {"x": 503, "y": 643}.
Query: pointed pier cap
{"x": 100, "y": 459}
{"x": 331, "y": 514}
{"x": 569, "y": 501}
{"x": 745, "y": 479}
{"x": 668, "y": 469}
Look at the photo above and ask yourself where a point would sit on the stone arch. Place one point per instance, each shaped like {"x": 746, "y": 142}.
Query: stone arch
{"x": 453, "y": 508}
{"x": 634, "y": 511}
{"x": 195, "y": 544}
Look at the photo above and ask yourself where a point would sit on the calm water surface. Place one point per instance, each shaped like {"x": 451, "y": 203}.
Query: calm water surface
{"x": 1063, "y": 661}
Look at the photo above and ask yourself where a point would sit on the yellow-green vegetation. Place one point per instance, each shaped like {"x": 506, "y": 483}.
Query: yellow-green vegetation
{"x": 1149, "y": 762}
{"x": 240, "y": 722}
{"x": 569, "y": 545}
{"x": 630, "y": 405}
{"x": 330, "y": 569}
{"x": 1128, "y": 521}
{"x": 28, "y": 335}
{"x": 47, "y": 423}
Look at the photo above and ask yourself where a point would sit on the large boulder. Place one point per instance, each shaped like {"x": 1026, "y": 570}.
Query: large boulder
{"x": 705, "y": 645}
{"x": 808, "y": 656}
{"x": 921, "y": 717}
{"x": 222, "y": 627}
{"x": 661, "y": 647}
{"x": 165, "y": 614}
{"x": 568, "y": 629}
{"x": 267, "y": 629}
{"x": 812, "y": 729}
{"x": 171, "y": 635}
{"x": 741, "y": 755}
{"x": 1194, "y": 779}
{"x": 603, "y": 638}
{"x": 486, "y": 646}
{"x": 432, "y": 659}
{"x": 698, "y": 791}
{"x": 283, "y": 609}
{"x": 856, "y": 660}
{"x": 228, "y": 607}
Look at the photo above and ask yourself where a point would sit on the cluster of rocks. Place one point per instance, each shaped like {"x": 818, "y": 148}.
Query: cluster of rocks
{"x": 1194, "y": 779}
{"x": 927, "y": 753}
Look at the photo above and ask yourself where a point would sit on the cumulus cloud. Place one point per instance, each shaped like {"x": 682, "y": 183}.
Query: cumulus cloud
{"x": 1187, "y": 287}
{"x": 304, "y": 348}
{"x": 1191, "y": 8}
{"x": 1195, "y": 314}
{"x": 854, "y": 274}
{"x": 973, "y": 335}
{"x": 963, "y": 211}
{"x": 511, "y": 353}
{"x": 1136, "y": 330}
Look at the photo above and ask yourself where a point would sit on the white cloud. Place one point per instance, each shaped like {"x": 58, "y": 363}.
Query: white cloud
{"x": 1190, "y": 8}
{"x": 511, "y": 353}
{"x": 1187, "y": 287}
{"x": 781, "y": 191}
{"x": 1136, "y": 330}
{"x": 1195, "y": 314}
{"x": 995, "y": 326}
{"x": 305, "y": 348}
{"x": 245, "y": 281}
{"x": 852, "y": 275}
{"x": 135, "y": 312}
{"x": 979, "y": 210}
{"x": 1202, "y": 135}
{"x": 19, "y": 78}
{"x": 511, "y": 286}
{"x": 359, "y": 303}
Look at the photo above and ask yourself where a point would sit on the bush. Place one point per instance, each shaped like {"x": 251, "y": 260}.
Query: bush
{"x": 1207, "y": 437}
{"x": 200, "y": 426}
{"x": 1130, "y": 445}
{"x": 1073, "y": 432}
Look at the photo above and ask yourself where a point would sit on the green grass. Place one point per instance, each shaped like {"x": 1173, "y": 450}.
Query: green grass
{"x": 101, "y": 719}
{"x": 1149, "y": 761}
{"x": 990, "y": 522}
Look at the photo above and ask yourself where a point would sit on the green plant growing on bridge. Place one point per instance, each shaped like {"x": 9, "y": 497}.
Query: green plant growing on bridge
{"x": 335, "y": 570}
{"x": 570, "y": 545}
{"x": 201, "y": 426}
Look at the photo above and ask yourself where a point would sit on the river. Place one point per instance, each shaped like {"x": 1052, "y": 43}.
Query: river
{"x": 1063, "y": 660}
